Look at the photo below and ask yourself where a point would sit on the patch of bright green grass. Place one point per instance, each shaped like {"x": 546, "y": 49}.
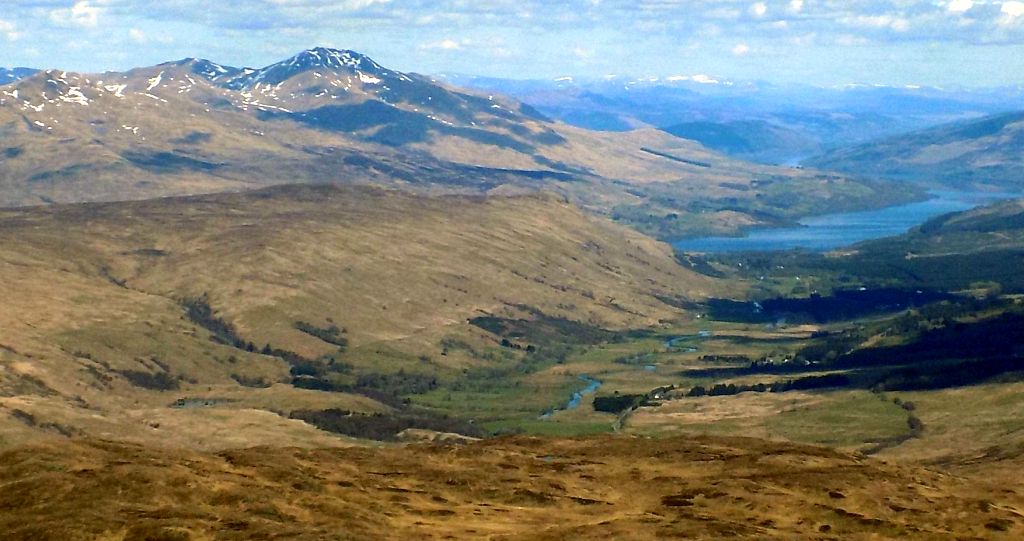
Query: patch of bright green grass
{"x": 848, "y": 419}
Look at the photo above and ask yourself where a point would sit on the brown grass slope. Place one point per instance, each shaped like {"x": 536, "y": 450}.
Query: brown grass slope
{"x": 92, "y": 295}
{"x": 602, "y": 488}
{"x": 171, "y": 130}
{"x": 167, "y": 131}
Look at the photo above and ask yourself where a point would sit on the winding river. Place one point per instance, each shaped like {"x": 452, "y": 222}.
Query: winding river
{"x": 576, "y": 399}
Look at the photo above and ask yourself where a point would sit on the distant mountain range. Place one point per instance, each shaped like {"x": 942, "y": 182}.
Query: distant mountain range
{"x": 755, "y": 121}
{"x": 985, "y": 151}
{"x": 9, "y": 75}
{"x": 325, "y": 115}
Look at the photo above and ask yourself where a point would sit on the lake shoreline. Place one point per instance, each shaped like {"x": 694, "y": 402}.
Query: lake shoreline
{"x": 837, "y": 230}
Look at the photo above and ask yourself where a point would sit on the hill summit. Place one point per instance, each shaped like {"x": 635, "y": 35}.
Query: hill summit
{"x": 312, "y": 59}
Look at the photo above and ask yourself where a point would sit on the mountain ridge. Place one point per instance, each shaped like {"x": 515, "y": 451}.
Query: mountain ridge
{"x": 328, "y": 115}
{"x": 983, "y": 151}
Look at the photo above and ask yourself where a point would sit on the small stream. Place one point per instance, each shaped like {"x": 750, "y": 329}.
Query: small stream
{"x": 576, "y": 399}
{"x": 674, "y": 341}
{"x": 593, "y": 384}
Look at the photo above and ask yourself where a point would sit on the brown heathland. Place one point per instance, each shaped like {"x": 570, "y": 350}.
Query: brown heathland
{"x": 603, "y": 488}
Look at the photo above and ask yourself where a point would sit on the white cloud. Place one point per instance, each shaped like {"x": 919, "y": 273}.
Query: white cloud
{"x": 1012, "y": 13}
{"x": 758, "y": 9}
{"x": 1012, "y": 9}
{"x": 445, "y": 44}
{"x": 81, "y": 13}
{"x": 960, "y": 6}
{"x": 741, "y": 49}
{"x": 796, "y": 6}
{"x": 704, "y": 79}
{"x": 583, "y": 53}
{"x": 136, "y": 35}
{"x": 849, "y": 40}
{"x": 891, "y": 22}
{"x": 9, "y": 31}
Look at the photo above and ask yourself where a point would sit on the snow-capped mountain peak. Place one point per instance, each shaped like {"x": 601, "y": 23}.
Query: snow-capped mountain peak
{"x": 313, "y": 59}
{"x": 333, "y": 59}
{"x": 207, "y": 69}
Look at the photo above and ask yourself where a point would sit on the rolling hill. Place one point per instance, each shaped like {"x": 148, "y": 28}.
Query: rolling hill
{"x": 207, "y": 320}
{"x": 757, "y": 140}
{"x": 325, "y": 115}
{"x": 520, "y": 488}
{"x": 985, "y": 152}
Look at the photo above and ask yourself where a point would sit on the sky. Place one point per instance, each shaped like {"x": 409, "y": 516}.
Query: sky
{"x": 972, "y": 43}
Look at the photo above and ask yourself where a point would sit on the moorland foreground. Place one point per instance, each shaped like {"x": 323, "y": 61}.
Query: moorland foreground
{"x": 335, "y": 301}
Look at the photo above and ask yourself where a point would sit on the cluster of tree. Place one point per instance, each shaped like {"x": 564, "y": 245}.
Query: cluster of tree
{"x": 949, "y": 374}
{"x": 618, "y": 403}
{"x": 399, "y": 383}
{"x": 506, "y": 343}
{"x": 332, "y": 334}
{"x": 842, "y": 305}
{"x": 154, "y": 381}
{"x": 831, "y": 347}
{"x": 383, "y": 427}
{"x": 809, "y": 383}
{"x": 315, "y": 368}
{"x": 543, "y": 330}
{"x": 885, "y": 263}
{"x": 997, "y": 337}
{"x": 318, "y": 374}
{"x": 391, "y": 389}
{"x": 201, "y": 313}
{"x": 735, "y": 359}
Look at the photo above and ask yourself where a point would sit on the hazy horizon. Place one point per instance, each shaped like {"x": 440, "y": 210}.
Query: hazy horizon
{"x": 960, "y": 43}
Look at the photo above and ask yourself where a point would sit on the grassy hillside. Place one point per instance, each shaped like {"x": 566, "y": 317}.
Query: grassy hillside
{"x": 618, "y": 488}
{"x": 976, "y": 152}
{"x": 187, "y": 127}
{"x": 756, "y": 140}
{"x": 140, "y": 319}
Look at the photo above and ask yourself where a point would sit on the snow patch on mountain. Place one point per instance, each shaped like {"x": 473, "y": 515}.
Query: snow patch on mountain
{"x": 155, "y": 81}
{"x": 368, "y": 79}
{"x": 118, "y": 90}
{"x": 74, "y": 95}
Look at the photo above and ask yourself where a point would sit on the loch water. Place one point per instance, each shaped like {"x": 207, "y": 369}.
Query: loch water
{"x": 831, "y": 231}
